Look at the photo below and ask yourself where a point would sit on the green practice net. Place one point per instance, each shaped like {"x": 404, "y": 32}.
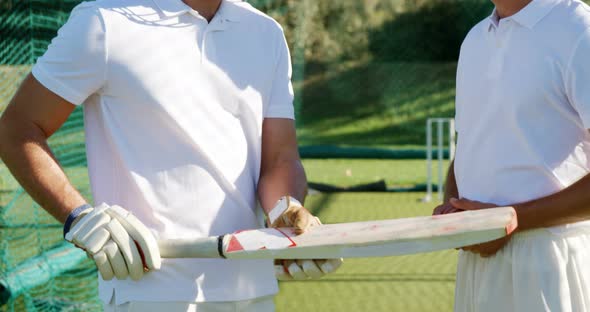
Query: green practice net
{"x": 37, "y": 271}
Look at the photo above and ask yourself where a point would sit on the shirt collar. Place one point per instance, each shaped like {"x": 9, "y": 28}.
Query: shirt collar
{"x": 529, "y": 16}
{"x": 172, "y": 8}
{"x": 228, "y": 11}
{"x": 494, "y": 20}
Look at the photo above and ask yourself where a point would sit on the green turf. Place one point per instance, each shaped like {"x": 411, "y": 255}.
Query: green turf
{"x": 348, "y": 172}
{"x": 422, "y": 282}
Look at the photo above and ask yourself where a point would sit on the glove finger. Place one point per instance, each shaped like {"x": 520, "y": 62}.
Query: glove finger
{"x": 127, "y": 248}
{"x": 103, "y": 265}
{"x": 148, "y": 246}
{"x": 96, "y": 240}
{"x": 87, "y": 223}
{"x": 281, "y": 272}
{"x": 117, "y": 261}
{"x": 285, "y": 219}
{"x": 302, "y": 221}
{"x": 295, "y": 270}
{"x": 331, "y": 265}
{"x": 311, "y": 269}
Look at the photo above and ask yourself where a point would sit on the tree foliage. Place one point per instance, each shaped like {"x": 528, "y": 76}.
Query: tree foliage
{"x": 422, "y": 30}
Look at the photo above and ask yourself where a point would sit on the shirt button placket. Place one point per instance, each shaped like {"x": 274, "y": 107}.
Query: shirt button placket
{"x": 502, "y": 33}
{"x": 204, "y": 46}
{"x": 501, "y": 36}
{"x": 203, "y": 30}
{"x": 214, "y": 26}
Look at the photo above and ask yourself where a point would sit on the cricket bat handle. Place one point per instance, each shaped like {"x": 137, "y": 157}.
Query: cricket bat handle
{"x": 207, "y": 247}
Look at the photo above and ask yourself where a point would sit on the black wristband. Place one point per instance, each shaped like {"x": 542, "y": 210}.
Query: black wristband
{"x": 73, "y": 215}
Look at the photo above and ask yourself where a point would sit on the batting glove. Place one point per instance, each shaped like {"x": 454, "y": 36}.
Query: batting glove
{"x": 289, "y": 212}
{"x": 120, "y": 244}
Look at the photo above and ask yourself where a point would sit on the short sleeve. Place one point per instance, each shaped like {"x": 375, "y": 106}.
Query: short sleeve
{"x": 459, "y": 101}
{"x": 578, "y": 79}
{"x": 281, "y": 95}
{"x": 74, "y": 65}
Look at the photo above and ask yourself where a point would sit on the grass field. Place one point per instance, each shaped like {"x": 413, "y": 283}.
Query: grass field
{"x": 349, "y": 172}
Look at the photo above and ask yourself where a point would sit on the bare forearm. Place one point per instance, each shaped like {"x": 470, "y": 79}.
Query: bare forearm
{"x": 24, "y": 150}
{"x": 567, "y": 206}
{"x": 451, "y": 190}
{"x": 285, "y": 177}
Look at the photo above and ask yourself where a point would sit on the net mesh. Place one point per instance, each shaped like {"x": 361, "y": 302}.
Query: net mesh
{"x": 367, "y": 73}
{"x": 28, "y": 233}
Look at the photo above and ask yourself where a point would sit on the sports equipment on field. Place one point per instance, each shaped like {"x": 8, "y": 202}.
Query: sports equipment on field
{"x": 440, "y": 125}
{"x": 352, "y": 240}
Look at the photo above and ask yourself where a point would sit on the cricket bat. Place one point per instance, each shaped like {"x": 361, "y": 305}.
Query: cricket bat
{"x": 352, "y": 240}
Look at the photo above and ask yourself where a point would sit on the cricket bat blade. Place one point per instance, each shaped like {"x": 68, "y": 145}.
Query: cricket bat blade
{"x": 353, "y": 240}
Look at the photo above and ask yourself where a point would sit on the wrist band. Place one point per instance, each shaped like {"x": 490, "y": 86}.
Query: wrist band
{"x": 73, "y": 215}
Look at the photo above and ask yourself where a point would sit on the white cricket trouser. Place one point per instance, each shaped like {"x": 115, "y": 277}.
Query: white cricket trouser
{"x": 536, "y": 271}
{"x": 263, "y": 304}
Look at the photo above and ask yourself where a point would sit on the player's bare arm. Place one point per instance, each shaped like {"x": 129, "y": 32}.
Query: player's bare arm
{"x": 33, "y": 115}
{"x": 282, "y": 189}
{"x": 113, "y": 238}
{"x": 574, "y": 202}
{"x": 451, "y": 191}
{"x": 281, "y": 171}
{"x": 540, "y": 213}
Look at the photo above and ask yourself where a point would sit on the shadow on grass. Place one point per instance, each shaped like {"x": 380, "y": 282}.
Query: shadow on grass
{"x": 317, "y": 207}
{"x": 375, "y": 103}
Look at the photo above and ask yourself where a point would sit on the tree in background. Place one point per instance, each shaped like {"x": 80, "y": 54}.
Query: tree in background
{"x": 389, "y": 30}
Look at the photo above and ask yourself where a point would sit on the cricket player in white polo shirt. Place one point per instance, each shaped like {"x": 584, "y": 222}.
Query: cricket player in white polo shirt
{"x": 189, "y": 123}
{"x": 523, "y": 114}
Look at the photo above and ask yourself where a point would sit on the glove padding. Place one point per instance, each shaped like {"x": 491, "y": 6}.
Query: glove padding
{"x": 120, "y": 244}
{"x": 288, "y": 270}
{"x": 292, "y": 214}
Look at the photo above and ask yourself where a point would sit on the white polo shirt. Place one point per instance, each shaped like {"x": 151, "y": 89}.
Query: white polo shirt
{"x": 523, "y": 104}
{"x": 173, "y": 109}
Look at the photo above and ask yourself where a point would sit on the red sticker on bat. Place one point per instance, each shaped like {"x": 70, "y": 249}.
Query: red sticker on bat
{"x": 234, "y": 245}
{"x": 260, "y": 239}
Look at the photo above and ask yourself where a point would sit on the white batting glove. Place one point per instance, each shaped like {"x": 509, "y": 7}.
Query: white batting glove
{"x": 120, "y": 244}
{"x": 289, "y": 212}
